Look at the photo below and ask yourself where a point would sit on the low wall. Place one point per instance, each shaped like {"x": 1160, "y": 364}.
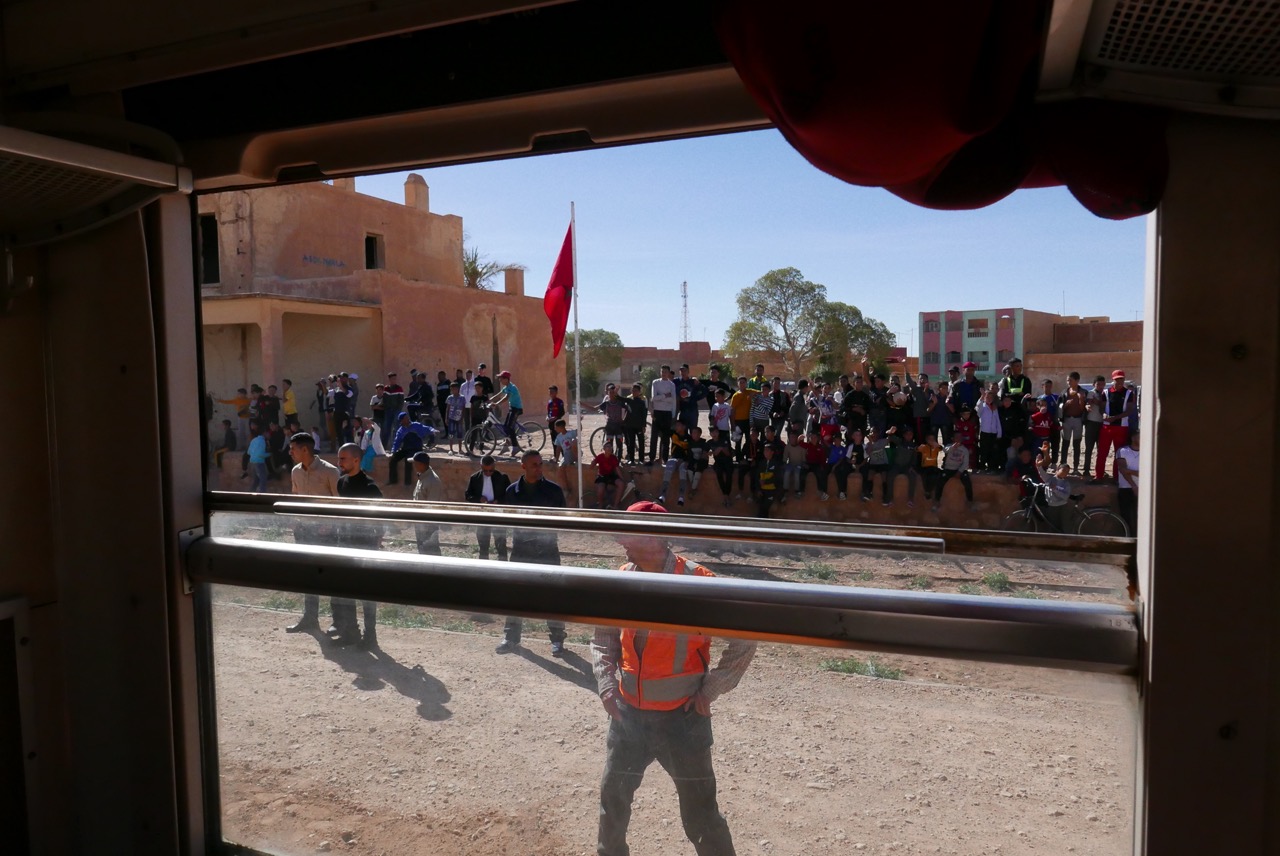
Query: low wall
{"x": 994, "y": 497}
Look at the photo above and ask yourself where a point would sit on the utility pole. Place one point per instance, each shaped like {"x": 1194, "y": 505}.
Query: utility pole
{"x": 684, "y": 312}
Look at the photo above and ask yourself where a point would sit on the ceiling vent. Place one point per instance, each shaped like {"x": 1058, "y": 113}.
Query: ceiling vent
{"x": 1208, "y": 55}
{"x": 63, "y": 175}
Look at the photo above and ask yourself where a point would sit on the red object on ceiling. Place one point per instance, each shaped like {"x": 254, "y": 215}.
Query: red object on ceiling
{"x": 935, "y": 102}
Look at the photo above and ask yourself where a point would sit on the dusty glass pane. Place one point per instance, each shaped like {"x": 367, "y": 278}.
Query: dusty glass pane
{"x": 428, "y": 740}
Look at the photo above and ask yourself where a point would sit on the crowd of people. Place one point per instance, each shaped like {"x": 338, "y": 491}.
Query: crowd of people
{"x": 768, "y": 438}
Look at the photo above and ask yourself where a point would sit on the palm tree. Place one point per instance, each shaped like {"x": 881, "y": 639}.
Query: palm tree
{"x": 478, "y": 272}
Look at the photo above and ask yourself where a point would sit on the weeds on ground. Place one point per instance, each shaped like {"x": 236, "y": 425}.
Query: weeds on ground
{"x": 1027, "y": 594}
{"x": 996, "y": 581}
{"x": 969, "y": 588}
{"x": 282, "y": 601}
{"x": 582, "y": 638}
{"x": 866, "y": 576}
{"x": 817, "y": 571}
{"x": 870, "y": 668}
{"x": 920, "y": 583}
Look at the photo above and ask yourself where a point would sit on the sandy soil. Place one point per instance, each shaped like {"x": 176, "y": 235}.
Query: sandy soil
{"x": 435, "y": 745}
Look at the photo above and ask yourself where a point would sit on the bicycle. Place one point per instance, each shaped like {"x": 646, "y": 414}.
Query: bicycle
{"x": 491, "y": 434}
{"x": 597, "y": 440}
{"x": 1095, "y": 521}
{"x": 631, "y": 487}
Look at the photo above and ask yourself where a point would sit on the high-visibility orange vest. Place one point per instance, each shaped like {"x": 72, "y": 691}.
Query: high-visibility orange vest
{"x": 671, "y": 666}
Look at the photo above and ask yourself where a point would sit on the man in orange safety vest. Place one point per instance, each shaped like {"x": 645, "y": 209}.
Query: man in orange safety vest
{"x": 658, "y": 688}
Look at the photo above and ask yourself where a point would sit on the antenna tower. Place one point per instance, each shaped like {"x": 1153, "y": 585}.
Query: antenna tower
{"x": 684, "y": 312}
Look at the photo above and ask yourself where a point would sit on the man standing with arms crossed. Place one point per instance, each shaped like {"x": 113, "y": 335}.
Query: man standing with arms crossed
{"x": 658, "y": 688}
{"x": 311, "y": 476}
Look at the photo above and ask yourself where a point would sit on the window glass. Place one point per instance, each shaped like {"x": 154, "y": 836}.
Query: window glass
{"x": 427, "y": 739}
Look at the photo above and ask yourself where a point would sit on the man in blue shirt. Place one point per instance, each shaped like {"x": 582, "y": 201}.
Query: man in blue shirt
{"x": 515, "y": 408}
{"x": 967, "y": 390}
{"x": 408, "y": 442}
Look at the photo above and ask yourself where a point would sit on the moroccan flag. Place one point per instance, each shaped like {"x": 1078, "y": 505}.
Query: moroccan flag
{"x": 559, "y": 294}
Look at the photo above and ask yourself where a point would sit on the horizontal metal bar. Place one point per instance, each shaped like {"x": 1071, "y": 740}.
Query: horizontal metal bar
{"x": 1117, "y": 552}
{"x": 1096, "y": 637}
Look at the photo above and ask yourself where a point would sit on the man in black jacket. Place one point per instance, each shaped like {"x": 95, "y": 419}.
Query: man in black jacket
{"x": 536, "y": 546}
{"x": 488, "y": 486}
{"x": 356, "y": 484}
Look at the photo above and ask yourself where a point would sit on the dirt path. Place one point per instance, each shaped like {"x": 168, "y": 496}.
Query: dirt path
{"x": 437, "y": 746}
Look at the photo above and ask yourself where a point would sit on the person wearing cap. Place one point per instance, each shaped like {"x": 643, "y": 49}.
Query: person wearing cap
{"x": 967, "y": 390}
{"x": 392, "y": 404}
{"x": 535, "y": 546}
{"x": 427, "y": 488}
{"x": 658, "y": 688}
{"x": 1119, "y": 409}
{"x": 510, "y": 393}
{"x": 1018, "y": 385}
{"x": 354, "y": 483}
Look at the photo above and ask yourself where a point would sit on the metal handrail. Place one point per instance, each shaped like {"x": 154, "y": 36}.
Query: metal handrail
{"x": 1096, "y": 637}
{"x": 1118, "y": 552}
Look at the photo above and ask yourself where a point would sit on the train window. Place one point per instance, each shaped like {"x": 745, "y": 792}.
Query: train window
{"x": 938, "y": 600}
{"x": 466, "y": 730}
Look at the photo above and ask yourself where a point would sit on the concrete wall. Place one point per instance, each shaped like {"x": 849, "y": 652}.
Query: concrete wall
{"x": 232, "y": 359}
{"x": 1037, "y": 332}
{"x": 1056, "y": 367}
{"x": 317, "y": 231}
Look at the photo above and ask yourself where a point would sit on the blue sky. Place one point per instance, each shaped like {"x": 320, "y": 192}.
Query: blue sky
{"x": 719, "y": 212}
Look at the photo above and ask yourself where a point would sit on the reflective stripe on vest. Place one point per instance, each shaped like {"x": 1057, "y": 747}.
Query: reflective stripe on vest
{"x": 667, "y": 668}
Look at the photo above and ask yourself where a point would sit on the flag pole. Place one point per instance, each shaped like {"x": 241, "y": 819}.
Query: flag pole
{"x": 577, "y": 347}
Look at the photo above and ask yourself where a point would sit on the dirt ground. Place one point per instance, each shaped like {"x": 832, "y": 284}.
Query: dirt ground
{"x": 436, "y": 745}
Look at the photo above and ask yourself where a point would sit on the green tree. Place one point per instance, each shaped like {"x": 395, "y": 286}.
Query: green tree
{"x": 785, "y": 314}
{"x": 601, "y": 354}
{"x": 778, "y": 314}
{"x": 478, "y": 272}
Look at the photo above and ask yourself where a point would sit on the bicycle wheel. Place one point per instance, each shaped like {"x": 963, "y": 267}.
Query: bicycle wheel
{"x": 1101, "y": 523}
{"x": 479, "y": 440}
{"x": 533, "y": 436}
{"x": 596, "y": 443}
{"x": 1021, "y": 521}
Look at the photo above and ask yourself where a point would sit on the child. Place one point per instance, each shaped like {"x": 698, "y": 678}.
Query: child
{"x": 615, "y": 415}
{"x": 902, "y": 462}
{"x": 697, "y": 459}
{"x": 606, "y": 464}
{"x": 370, "y": 443}
{"x": 930, "y": 454}
{"x": 720, "y": 451}
{"x": 955, "y": 464}
{"x": 942, "y": 417}
{"x": 722, "y": 413}
{"x": 566, "y": 443}
{"x": 854, "y": 461}
{"x": 1041, "y": 421}
{"x": 1059, "y": 489}
{"x": 877, "y": 449}
{"x": 740, "y": 409}
{"x": 966, "y": 431}
{"x": 676, "y": 465}
{"x": 793, "y": 466}
{"x": 815, "y": 461}
{"x": 768, "y": 481}
{"x": 633, "y": 425}
{"x": 455, "y": 406}
{"x": 555, "y": 410}
{"x": 989, "y": 433}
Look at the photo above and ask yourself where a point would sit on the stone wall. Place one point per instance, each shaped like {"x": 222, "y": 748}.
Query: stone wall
{"x": 994, "y": 497}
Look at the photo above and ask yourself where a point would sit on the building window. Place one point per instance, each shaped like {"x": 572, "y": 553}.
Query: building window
{"x": 932, "y": 326}
{"x": 978, "y": 328}
{"x": 953, "y": 325}
{"x": 375, "y": 254}
{"x": 1004, "y": 355}
{"x": 210, "y": 271}
{"x": 982, "y": 358}
{"x": 1004, "y": 322}
{"x": 932, "y": 358}
{"x": 953, "y": 357}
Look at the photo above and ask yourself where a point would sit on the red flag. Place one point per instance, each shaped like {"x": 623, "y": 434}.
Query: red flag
{"x": 559, "y": 294}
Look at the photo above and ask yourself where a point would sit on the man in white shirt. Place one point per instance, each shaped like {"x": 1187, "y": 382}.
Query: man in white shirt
{"x": 662, "y": 404}
{"x": 487, "y": 487}
{"x": 467, "y": 390}
{"x": 312, "y": 476}
{"x": 1127, "y": 482}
